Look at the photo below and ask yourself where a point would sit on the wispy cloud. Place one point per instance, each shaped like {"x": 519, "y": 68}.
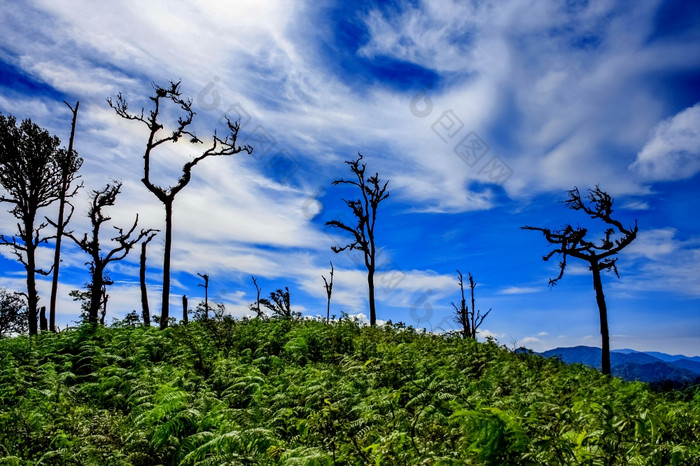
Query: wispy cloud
{"x": 673, "y": 151}
{"x": 514, "y": 290}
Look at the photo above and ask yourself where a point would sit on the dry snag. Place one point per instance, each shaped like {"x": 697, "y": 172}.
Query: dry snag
{"x": 101, "y": 258}
{"x": 570, "y": 241}
{"x": 166, "y": 195}
{"x": 364, "y": 209}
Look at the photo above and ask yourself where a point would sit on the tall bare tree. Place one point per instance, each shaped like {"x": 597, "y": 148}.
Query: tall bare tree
{"x": 218, "y": 147}
{"x": 145, "y": 309}
{"x": 372, "y": 192}
{"x": 205, "y": 277}
{"x": 256, "y": 306}
{"x": 69, "y": 163}
{"x": 328, "y": 285}
{"x": 100, "y": 259}
{"x": 32, "y": 178}
{"x": 469, "y": 319}
{"x": 570, "y": 241}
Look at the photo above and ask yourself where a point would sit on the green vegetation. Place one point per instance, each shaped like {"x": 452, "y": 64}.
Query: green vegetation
{"x": 285, "y": 391}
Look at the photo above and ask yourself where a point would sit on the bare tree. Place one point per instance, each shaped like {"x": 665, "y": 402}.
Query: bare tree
{"x": 69, "y": 163}
{"x": 279, "y": 303}
{"x": 372, "y": 192}
{"x": 206, "y": 294}
{"x": 218, "y": 147}
{"x": 256, "y": 306}
{"x": 469, "y": 319}
{"x": 329, "y": 291}
{"x": 185, "y": 319}
{"x": 101, "y": 259}
{"x": 570, "y": 241}
{"x": 145, "y": 309}
{"x": 32, "y": 177}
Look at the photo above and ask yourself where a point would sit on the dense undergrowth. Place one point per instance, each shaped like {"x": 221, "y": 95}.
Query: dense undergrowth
{"x": 303, "y": 392}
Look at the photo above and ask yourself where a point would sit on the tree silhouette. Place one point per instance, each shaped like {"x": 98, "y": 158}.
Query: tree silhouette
{"x": 100, "y": 258}
{"x": 69, "y": 163}
{"x": 205, "y": 277}
{"x": 570, "y": 241}
{"x": 365, "y": 211}
{"x": 13, "y": 313}
{"x": 279, "y": 303}
{"x": 256, "y": 306}
{"x": 31, "y": 175}
{"x": 469, "y": 319}
{"x": 218, "y": 147}
{"x": 328, "y": 285}
{"x": 145, "y": 309}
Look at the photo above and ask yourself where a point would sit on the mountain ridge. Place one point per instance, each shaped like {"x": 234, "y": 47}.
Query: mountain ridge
{"x": 652, "y": 367}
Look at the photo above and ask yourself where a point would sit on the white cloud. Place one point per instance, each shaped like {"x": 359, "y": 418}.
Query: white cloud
{"x": 673, "y": 152}
{"x": 486, "y": 333}
{"x": 520, "y": 290}
{"x": 654, "y": 244}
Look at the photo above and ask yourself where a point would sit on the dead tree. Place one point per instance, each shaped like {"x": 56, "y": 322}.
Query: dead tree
{"x": 31, "y": 176}
{"x": 218, "y": 147}
{"x": 570, "y": 241}
{"x": 256, "y": 306}
{"x": 100, "y": 258}
{"x": 329, "y": 291}
{"x": 372, "y": 192}
{"x": 43, "y": 323}
{"x": 145, "y": 309}
{"x": 69, "y": 163}
{"x": 469, "y": 319}
{"x": 206, "y": 294}
{"x": 185, "y": 318}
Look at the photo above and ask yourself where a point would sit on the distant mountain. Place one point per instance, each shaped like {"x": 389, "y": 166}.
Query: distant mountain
{"x": 663, "y": 356}
{"x": 651, "y": 367}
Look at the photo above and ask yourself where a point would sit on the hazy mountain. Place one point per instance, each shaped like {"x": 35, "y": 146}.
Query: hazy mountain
{"x": 652, "y": 367}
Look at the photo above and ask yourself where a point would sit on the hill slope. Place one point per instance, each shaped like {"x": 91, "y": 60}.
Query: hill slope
{"x": 303, "y": 392}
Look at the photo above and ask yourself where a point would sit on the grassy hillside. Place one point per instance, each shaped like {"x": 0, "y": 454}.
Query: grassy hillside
{"x": 303, "y": 392}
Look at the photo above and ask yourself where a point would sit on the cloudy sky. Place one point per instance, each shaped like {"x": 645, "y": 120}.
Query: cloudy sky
{"x": 479, "y": 114}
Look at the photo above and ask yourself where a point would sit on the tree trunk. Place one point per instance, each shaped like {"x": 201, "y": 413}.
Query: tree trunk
{"x": 165, "y": 305}
{"x": 43, "y": 323}
{"x": 59, "y": 228}
{"x": 56, "y": 263}
{"x": 372, "y": 309}
{"x": 95, "y": 295}
{"x": 145, "y": 311}
{"x": 32, "y": 297}
{"x": 603, "y": 310}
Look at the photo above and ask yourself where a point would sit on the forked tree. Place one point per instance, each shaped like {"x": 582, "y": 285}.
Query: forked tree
{"x": 32, "y": 178}
{"x": 469, "y": 318}
{"x": 100, "y": 257}
{"x": 600, "y": 256}
{"x": 328, "y": 285}
{"x": 145, "y": 309}
{"x": 256, "y": 305}
{"x": 364, "y": 209}
{"x": 166, "y": 195}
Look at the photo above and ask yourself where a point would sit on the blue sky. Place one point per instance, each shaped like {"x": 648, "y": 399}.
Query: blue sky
{"x": 480, "y": 114}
